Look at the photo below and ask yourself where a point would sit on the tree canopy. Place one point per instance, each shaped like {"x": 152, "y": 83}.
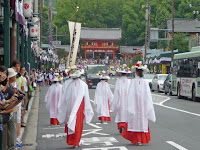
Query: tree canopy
{"x": 129, "y": 15}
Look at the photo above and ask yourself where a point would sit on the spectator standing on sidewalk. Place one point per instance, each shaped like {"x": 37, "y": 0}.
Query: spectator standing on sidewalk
{"x": 33, "y": 78}
{"x": 103, "y": 97}
{"x": 39, "y": 79}
{"x": 120, "y": 102}
{"x": 12, "y": 124}
{"x": 140, "y": 108}
{"x": 26, "y": 87}
{"x": 52, "y": 98}
{"x": 21, "y": 110}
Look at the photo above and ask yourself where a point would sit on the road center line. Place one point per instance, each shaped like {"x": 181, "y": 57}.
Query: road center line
{"x": 176, "y": 145}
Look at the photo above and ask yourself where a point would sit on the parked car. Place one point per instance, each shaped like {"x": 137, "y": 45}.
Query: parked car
{"x": 167, "y": 85}
{"x": 149, "y": 77}
{"x": 158, "y": 81}
{"x": 92, "y": 77}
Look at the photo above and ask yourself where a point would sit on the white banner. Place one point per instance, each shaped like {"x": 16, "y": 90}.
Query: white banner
{"x": 75, "y": 32}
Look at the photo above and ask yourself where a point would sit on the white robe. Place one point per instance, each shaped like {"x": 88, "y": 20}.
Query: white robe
{"x": 52, "y": 99}
{"x": 140, "y": 106}
{"x": 103, "y": 95}
{"x": 70, "y": 103}
{"x": 120, "y": 101}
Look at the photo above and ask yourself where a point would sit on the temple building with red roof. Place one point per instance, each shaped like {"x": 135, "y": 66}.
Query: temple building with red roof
{"x": 100, "y": 42}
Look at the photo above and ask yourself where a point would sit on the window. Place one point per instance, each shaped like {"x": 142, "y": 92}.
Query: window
{"x": 110, "y": 43}
{"x": 90, "y": 43}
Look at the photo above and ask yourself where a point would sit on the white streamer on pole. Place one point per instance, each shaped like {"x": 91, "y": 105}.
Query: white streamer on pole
{"x": 75, "y": 31}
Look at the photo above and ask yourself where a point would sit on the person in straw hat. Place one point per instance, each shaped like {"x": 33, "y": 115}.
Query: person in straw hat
{"x": 120, "y": 102}
{"x": 103, "y": 97}
{"x": 52, "y": 98}
{"x": 74, "y": 106}
{"x": 140, "y": 108}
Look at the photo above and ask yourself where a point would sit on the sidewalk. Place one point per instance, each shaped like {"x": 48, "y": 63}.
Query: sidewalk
{"x": 29, "y": 138}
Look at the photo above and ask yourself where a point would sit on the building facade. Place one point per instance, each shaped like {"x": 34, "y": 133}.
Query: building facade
{"x": 100, "y": 42}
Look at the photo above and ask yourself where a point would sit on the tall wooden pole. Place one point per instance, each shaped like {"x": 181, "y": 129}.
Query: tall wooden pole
{"x": 146, "y": 30}
{"x": 172, "y": 51}
{"x": 50, "y": 20}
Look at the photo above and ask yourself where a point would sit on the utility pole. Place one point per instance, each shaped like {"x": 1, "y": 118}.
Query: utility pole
{"x": 50, "y": 20}
{"x": 172, "y": 51}
{"x": 149, "y": 12}
{"x": 146, "y": 30}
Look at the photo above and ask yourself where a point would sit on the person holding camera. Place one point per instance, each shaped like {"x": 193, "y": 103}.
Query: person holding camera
{"x": 8, "y": 102}
{"x": 20, "y": 83}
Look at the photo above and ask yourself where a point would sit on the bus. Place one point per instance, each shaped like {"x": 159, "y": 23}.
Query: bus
{"x": 186, "y": 74}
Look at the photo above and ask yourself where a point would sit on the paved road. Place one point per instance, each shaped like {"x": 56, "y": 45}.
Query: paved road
{"x": 177, "y": 127}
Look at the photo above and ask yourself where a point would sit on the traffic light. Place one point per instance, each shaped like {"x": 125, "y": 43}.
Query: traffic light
{"x": 135, "y": 49}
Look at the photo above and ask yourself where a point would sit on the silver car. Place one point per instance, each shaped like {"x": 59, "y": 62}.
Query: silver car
{"x": 158, "y": 82}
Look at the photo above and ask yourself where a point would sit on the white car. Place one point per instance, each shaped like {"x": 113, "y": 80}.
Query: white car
{"x": 158, "y": 82}
{"x": 148, "y": 77}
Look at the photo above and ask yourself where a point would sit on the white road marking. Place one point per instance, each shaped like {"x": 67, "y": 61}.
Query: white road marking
{"x": 107, "y": 148}
{"x": 95, "y": 139}
{"x": 176, "y": 145}
{"x": 94, "y": 131}
{"x": 99, "y": 140}
{"x": 105, "y": 123}
{"x": 108, "y": 143}
{"x": 168, "y": 98}
{"x": 53, "y": 128}
{"x": 180, "y": 110}
{"x": 48, "y": 136}
{"x": 93, "y": 125}
{"x": 98, "y": 123}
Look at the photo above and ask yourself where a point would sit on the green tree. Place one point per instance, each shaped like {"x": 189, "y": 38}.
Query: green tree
{"x": 61, "y": 54}
{"x": 181, "y": 42}
{"x": 45, "y": 25}
{"x": 136, "y": 58}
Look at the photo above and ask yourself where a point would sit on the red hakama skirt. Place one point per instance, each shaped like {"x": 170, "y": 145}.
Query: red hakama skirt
{"x": 103, "y": 118}
{"x": 121, "y": 125}
{"x": 54, "y": 121}
{"x": 136, "y": 137}
{"x": 74, "y": 139}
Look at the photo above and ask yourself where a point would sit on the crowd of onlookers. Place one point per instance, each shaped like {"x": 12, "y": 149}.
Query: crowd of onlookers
{"x": 16, "y": 87}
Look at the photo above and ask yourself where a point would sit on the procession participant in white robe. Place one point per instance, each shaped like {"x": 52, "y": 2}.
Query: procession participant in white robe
{"x": 140, "y": 109}
{"x": 52, "y": 98}
{"x": 103, "y": 97}
{"x": 120, "y": 102}
{"x": 74, "y": 107}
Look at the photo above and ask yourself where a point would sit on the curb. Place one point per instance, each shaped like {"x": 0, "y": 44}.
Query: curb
{"x": 27, "y": 114}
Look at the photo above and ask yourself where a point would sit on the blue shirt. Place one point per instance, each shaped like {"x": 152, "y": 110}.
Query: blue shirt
{"x": 1, "y": 96}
